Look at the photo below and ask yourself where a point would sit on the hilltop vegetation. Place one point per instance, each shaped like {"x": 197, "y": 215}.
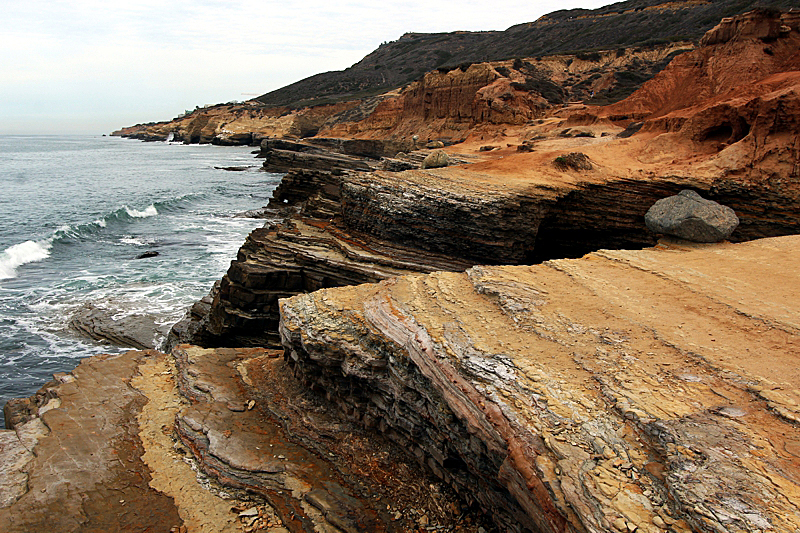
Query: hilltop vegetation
{"x": 634, "y": 23}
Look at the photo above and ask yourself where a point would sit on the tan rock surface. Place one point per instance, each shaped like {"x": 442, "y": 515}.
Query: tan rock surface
{"x": 86, "y": 473}
{"x": 655, "y": 389}
{"x": 225, "y": 441}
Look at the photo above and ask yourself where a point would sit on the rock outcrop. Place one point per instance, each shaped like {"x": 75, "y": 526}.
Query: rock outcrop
{"x": 436, "y": 159}
{"x": 745, "y": 83}
{"x": 620, "y": 392}
{"x": 138, "y": 330}
{"x": 147, "y": 442}
{"x": 363, "y": 227}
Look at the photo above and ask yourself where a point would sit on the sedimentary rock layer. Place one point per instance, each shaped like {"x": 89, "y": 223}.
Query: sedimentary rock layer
{"x": 653, "y": 390}
{"x": 351, "y": 228}
{"x": 145, "y": 442}
{"x": 78, "y": 453}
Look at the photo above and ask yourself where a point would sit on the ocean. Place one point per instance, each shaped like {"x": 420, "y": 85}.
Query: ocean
{"x": 75, "y": 215}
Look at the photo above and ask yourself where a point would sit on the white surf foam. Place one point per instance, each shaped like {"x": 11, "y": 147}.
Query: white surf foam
{"x": 149, "y": 211}
{"x": 21, "y": 254}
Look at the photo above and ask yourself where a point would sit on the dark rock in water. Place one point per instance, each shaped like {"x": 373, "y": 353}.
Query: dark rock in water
{"x": 135, "y": 331}
{"x": 149, "y": 253}
{"x": 235, "y": 169}
{"x": 689, "y": 216}
{"x": 261, "y": 212}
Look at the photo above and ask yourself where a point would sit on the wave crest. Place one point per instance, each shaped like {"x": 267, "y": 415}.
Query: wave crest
{"x": 21, "y": 254}
{"x": 149, "y": 211}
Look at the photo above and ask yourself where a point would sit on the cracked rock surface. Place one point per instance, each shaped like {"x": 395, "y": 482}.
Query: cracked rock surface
{"x": 206, "y": 441}
{"x": 653, "y": 390}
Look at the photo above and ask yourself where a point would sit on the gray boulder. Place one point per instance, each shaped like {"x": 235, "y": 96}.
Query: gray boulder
{"x": 436, "y": 159}
{"x": 689, "y": 216}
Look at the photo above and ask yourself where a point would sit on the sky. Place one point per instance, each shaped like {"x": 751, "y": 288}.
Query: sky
{"x": 91, "y": 66}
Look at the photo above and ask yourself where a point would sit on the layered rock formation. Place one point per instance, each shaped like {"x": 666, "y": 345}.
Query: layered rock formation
{"x": 363, "y": 227}
{"x": 652, "y": 390}
{"x": 147, "y": 442}
{"x": 624, "y": 391}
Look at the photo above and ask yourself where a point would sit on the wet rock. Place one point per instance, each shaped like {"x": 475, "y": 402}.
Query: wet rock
{"x": 235, "y": 169}
{"x": 135, "y": 331}
{"x": 149, "y": 253}
{"x": 689, "y": 216}
{"x": 86, "y": 472}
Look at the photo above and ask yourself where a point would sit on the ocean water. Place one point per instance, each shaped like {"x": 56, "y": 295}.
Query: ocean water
{"x": 75, "y": 212}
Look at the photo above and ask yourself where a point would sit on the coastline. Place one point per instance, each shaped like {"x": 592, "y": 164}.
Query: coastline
{"x": 494, "y": 343}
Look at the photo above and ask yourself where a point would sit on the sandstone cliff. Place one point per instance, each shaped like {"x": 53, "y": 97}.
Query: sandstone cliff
{"x": 625, "y": 391}
{"x": 744, "y": 83}
{"x": 445, "y": 103}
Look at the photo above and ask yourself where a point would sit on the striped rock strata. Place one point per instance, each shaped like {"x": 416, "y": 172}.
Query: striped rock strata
{"x": 653, "y": 390}
{"x": 196, "y": 443}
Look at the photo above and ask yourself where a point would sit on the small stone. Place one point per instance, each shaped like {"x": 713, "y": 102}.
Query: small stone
{"x": 251, "y": 404}
{"x": 398, "y": 515}
{"x": 658, "y": 521}
{"x": 423, "y": 520}
{"x": 253, "y": 511}
{"x": 620, "y": 525}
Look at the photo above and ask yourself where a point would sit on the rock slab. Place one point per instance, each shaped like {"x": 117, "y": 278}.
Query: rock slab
{"x": 689, "y": 216}
{"x": 619, "y": 392}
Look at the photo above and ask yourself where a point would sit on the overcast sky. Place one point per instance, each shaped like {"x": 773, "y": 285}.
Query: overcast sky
{"x": 91, "y": 66}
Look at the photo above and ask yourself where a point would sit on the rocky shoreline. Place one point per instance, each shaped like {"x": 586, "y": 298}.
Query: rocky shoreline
{"x": 497, "y": 344}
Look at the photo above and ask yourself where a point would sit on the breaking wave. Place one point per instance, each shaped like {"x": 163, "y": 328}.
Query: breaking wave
{"x": 23, "y": 253}
{"x": 149, "y": 211}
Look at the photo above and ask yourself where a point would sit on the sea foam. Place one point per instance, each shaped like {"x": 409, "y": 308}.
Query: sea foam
{"x": 149, "y": 211}
{"x": 22, "y": 253}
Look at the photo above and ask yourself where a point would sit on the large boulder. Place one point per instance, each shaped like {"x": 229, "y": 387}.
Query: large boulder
{"x": 690, "y": 216}
{"x": 436, "y": 159}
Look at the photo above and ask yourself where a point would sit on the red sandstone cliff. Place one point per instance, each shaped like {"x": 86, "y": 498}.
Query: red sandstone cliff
{"x": 737, "y": 95}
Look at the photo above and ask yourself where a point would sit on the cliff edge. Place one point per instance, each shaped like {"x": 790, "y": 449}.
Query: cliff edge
{"x": 655, "y": 390}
